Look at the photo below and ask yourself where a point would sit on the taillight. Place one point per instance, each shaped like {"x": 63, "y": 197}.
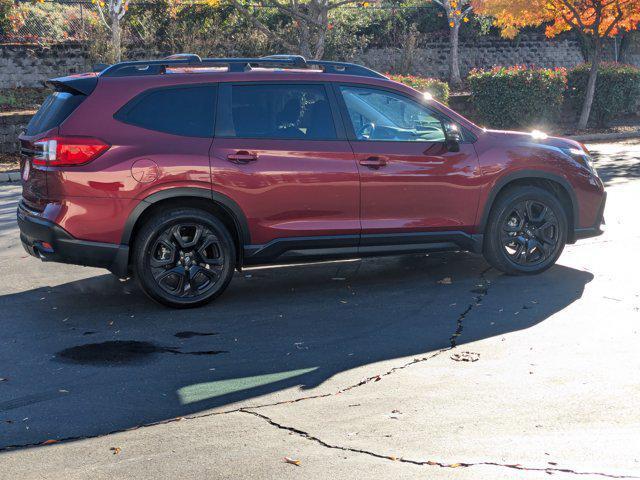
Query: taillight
{"x": 65, "y": 151}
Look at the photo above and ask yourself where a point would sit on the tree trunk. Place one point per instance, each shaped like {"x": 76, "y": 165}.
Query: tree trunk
{"x": 305, "y": 40}
{"x": 323, "y": 19}
{"x": 454, "y": 63}
{"x": 591, "y": 84}
{"x": 116, "y": 40}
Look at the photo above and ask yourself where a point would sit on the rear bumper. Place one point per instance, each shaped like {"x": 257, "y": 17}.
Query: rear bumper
{"x": 36, "y": 233}
{"x": 596, "y": 229}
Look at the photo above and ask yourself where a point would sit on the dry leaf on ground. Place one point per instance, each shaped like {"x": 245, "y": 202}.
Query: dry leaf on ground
{"x": 292, "y": 461}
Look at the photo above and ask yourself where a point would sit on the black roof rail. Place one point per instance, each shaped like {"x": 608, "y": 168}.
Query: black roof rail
{"x": 156, "y": 67}
{"x": 345, "y": 68}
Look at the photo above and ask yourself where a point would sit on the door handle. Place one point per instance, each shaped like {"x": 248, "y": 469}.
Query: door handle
{"x": 373, "y": 162}
{"x": 242, "y": 157}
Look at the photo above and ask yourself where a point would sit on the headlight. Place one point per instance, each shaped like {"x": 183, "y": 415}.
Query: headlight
{"x": 581, "y": 156}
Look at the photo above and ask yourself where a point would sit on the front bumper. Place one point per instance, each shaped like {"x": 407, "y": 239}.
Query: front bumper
{"x": 49, "y": 242}
{"x": 596, "y": 229}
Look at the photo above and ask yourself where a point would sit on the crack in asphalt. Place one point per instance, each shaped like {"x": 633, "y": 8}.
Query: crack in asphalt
{"x": 515, "y": 466}
{"x": 482, "y": 290}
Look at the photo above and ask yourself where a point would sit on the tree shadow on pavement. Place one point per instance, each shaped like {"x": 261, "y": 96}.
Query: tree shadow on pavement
{"x": 619, "y": 167}
{"x": 72, "y": 369}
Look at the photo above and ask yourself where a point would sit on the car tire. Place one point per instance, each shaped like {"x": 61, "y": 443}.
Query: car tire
{"x": 526, "y": 231}
{"x": 183, "y": 257}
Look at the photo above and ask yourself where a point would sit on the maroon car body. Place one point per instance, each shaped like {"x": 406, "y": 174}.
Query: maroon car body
{"x": 284, "y": 198}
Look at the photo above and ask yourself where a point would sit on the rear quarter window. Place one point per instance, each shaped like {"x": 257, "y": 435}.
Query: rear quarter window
{"x": 186, "y": 111}
{"x": 55, "y": 109}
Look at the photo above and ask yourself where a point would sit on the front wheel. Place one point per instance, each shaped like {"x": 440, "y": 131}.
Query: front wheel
{"x": 183, "y": 257}
{"x": 526, "y": 232}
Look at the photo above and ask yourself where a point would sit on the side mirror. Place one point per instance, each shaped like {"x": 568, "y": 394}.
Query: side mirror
{"x": 452, "y": 137}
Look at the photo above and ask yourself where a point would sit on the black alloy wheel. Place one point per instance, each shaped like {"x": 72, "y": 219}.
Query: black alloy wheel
{"x": 184, "y": 258}
{"x": 530, "y": 233}
{"x": 526, "y": 231}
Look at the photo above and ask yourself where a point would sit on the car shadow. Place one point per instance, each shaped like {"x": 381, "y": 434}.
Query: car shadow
{"x": 95, "y": 356}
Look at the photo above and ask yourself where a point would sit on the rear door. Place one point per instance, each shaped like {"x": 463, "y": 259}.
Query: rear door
{"x": 281, "y": 153}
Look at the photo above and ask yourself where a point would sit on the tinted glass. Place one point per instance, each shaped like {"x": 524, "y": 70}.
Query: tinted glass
{"x": 278, "y": 111}
{"x": 55, "y": 109}
{"x": 378, "y": 115}
{"x": 187, "y": 111}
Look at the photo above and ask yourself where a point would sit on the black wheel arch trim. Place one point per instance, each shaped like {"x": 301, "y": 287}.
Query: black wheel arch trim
{"x": 532, "y": 174}
{"x": 231, "y": 207}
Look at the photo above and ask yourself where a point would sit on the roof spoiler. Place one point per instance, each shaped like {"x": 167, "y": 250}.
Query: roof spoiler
{"x": 76, "y": 84}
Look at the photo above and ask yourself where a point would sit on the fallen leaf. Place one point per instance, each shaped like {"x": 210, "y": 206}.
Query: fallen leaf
{"x": 455, "y": 465}
{"x": 115, "y": 450}
{"x": 49, "y": 442}
{"x": 445, "y": 281}
{"x": 292, "y": 461}
{"x": 393, "y": 457}
{"x": 431, "y": 462}
{"x": 465, "y": 357}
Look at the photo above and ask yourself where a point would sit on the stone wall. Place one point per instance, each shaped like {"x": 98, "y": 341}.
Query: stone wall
{"x": 29, "y": 65}
{"x": 11, "y": 125}
{"x": 431, "y": 59}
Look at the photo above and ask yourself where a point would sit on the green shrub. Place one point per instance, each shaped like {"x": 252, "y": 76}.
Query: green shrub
{"x": 508, "y": 97}
{"x": 437, "y": 88}
{"x": 5, "y": 20}
{"x": 617, "y": 91}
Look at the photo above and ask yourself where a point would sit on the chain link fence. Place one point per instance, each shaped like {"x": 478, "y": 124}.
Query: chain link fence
{"x": 53, "y": 21}
{"x": 212, "y": 27}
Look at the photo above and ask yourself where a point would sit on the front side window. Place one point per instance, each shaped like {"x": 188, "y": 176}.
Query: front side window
{"x": 379, "y": 115}
{"x": 299, "y": 112}
{"x": 187, "y": 111}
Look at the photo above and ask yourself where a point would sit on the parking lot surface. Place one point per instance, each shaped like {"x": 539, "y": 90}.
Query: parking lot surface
{"x": 430, "y": 366}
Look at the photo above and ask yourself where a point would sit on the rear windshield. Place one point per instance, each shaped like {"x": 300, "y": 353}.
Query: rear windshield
{"x": 55, "y": 109}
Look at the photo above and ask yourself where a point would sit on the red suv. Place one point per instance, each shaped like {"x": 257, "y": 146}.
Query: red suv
{"x": 179, "y": 171}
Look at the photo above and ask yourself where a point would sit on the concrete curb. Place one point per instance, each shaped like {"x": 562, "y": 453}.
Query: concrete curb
{"x": 604, "y": 137}
{"x": 10, "y": 177}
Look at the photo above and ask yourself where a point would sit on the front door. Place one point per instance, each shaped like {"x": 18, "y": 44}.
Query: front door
{"x": 281, "y": 156}
{"x": 410, "y": 182}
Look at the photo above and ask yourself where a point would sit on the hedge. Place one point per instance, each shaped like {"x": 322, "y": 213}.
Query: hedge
{"x": 511, "y": 97}
{"x": 617, "y": 91}
{"x": 437, "y": 88}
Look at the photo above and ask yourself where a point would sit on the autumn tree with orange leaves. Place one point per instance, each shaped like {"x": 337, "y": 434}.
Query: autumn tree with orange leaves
{"x": 598, "y": 19}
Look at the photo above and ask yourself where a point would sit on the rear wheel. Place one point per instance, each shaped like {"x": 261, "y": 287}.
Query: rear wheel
{"x": 526, "y": 232}
{"x": 184, "y": 257}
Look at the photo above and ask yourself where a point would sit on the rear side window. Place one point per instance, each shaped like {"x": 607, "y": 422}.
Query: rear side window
{"x": 187, "y": 111}
{"x": 293, "y": 111}
{"x": 55, "y": 109}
